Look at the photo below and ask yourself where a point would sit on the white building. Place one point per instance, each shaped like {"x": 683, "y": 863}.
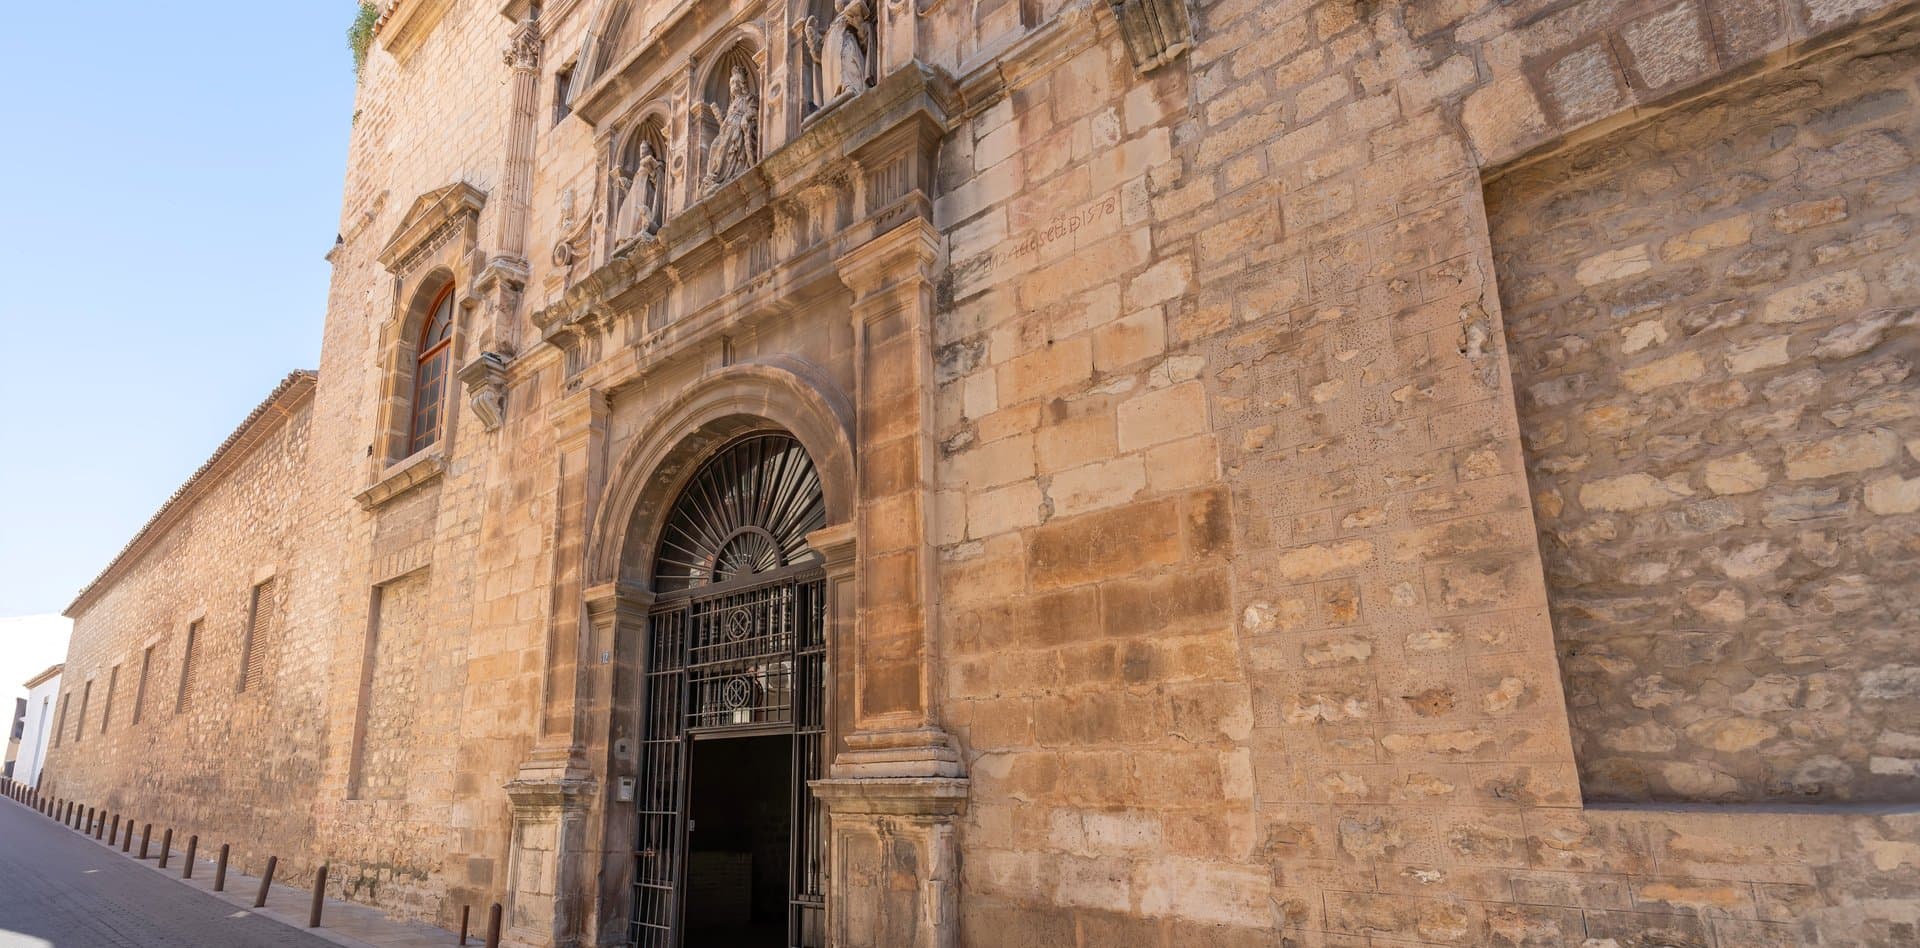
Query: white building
{"x": 43, "y": 696}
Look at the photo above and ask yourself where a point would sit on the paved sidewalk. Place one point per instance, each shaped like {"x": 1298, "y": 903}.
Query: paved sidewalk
{"x": 56, "y": 888}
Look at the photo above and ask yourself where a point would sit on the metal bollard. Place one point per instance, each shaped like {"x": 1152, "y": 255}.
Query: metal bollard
{"x": 266, "y": 881}
{"x": 116, "y": 830}
{"x": 493, "y": 926}
{"x": 146, "y": 832}
{"x": 166, "y": 846}
{"x": 220, "y": 870}
{"x": 465, "y": 912}
{"x": 319, "y": 896}
{"x": 126, "y": 841}
{"x": 193, "y": 846}
{"x": 87, "y": 827}
{"x": 100, "y": 827}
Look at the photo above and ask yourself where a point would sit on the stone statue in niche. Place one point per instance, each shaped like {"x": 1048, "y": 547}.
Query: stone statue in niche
{"x": 847, "y": 45}
{"x": 574, "y": 230}
{"x": 640, "y": 194}
{"x": 736, "y": 146}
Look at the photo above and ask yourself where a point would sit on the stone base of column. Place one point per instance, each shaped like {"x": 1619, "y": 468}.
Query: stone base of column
{"x": 893, "y": 861}
{"x": 912, "y": 752}
{"x": 546, "y": 906}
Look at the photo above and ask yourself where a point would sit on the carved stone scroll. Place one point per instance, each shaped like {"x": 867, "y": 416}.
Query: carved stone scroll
{"x": 1156, "y": 31}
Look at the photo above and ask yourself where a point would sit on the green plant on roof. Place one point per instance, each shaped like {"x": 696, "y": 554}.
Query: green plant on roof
{"x": 360, "y": 34}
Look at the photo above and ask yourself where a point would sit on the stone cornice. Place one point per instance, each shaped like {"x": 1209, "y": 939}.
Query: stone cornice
{"x": 263, "y": 421}
{"x": 434, "y": 218}
{"x": 402, "y": 477}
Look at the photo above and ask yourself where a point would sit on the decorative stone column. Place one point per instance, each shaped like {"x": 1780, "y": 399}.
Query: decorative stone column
{"x": 552, "y": 861}
{"x": 502, "y": 283}
{"x": 897, "y": 784}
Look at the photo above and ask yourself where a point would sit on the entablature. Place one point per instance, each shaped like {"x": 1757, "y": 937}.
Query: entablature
{"x": 763, "y": 243}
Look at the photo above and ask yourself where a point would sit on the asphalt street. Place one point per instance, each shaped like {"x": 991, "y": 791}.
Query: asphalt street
{"x": 61, "y": 889}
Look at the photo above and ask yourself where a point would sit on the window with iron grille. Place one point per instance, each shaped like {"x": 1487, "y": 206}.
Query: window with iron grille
{"x": 259, "y": 635}
{"x": 189, "y": 669}
{"x": 735, "y": 645}
{"x": 106, "y": 708}
{"x": 140, "y": 686}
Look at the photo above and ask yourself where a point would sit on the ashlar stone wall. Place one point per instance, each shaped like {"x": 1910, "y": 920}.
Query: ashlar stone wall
{"x": 1713, "y": 321}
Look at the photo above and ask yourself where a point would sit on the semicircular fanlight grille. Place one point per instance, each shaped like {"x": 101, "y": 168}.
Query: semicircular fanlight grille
{"x": 747, "y": 510}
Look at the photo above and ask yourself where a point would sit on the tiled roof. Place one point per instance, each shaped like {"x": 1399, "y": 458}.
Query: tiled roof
{"x": 291, "y": 389}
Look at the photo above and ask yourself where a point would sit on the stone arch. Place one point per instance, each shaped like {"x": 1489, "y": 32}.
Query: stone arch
{"x": 783, "y": 394}
{"x": 401, "y": 346}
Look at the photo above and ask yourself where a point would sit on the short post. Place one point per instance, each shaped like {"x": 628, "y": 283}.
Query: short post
{"x": 87, "y": 828}
{"x": 193, "y": 845}
{"x": 493, "y": 926}
{"x": 116, "y": 830}
{"x": 166, "y": 846}
{"x": 126, "y": 841}
{"x": 100, "y": 827}
{"x": 146, "y": 832}
{"x": 266, "y": 881}
{"x": 319, "y": 896}
{"x": 220, "y": 870}
{"x": 465, "y": 912}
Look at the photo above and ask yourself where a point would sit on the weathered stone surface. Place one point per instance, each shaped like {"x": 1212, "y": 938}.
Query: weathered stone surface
{"x": 1185, "y": 473}
{"x": 1711, "y": 475}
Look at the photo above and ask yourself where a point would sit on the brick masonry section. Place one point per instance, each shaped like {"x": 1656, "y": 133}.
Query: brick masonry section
{"x": 1713, "y": 329}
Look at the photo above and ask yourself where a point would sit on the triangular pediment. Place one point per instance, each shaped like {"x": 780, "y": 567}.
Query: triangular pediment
{"x": 433, "y": 215}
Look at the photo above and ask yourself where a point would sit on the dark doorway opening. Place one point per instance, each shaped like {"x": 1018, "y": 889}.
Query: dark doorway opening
{"x": 739, "y": 842}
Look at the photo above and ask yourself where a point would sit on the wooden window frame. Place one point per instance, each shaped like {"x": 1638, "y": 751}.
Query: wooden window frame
{"x": 426, "y": 410}
{"x": 262, "y": 610}
{"x": 140, "y": 687}
{"x": 189, "y": 675}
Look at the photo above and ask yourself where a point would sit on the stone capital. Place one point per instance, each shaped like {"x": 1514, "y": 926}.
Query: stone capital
{"x": 906, "y": 753}
{"x": 928, "y": 797}
{"x": 904, "y": 255}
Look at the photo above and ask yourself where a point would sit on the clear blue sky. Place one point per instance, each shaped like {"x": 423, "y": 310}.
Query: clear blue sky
{"x": 172, "y": 178}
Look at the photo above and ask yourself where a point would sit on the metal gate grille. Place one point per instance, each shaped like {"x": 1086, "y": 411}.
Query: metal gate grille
{"x": 752, "y": 660}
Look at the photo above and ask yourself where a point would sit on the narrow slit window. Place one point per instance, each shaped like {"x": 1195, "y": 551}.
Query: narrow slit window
{"x": 106, "y": 707}
{"x": 80, "y": 725}
{"x": 60, "y": 730}
{"x": 259, "y": 639}
{"x": 140, "y": 686}
{"x": 430, "y": 373}
{"x": 189, "y": 669}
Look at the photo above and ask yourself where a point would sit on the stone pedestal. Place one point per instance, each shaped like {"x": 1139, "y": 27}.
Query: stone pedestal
{"x": 893, "y": 860}
{"x": 547, "y": 895}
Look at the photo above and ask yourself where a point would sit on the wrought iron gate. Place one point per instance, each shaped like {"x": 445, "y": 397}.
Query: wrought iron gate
{"x": 736, "y": 646}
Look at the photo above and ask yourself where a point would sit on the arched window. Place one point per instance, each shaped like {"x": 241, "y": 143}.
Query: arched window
{"x": 430, "y": 372}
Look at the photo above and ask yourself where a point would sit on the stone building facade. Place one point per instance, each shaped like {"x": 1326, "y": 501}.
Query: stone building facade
{"x": 1076, "y": 472}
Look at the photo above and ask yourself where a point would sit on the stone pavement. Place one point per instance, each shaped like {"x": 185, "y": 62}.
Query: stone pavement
{"x": 59, "y": 889}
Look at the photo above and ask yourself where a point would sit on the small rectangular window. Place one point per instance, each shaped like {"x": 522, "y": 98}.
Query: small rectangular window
{"x": 140, "y": 687}
{"x": 189, "y": 669}
{"x": 563, "y": 93}
{"x": 80, "y": 726}
{"x": 259, "y": 636}
{"x": 106, "y": 708}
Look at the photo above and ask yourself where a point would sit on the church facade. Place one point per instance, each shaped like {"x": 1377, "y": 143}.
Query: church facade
{"x": 1074, "y": 473}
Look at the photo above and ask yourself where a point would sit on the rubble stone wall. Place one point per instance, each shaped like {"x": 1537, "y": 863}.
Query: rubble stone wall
{"x": 1713, "y": 322}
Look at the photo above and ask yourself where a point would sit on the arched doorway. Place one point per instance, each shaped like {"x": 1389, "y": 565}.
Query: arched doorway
{"x": 731, "y": 845}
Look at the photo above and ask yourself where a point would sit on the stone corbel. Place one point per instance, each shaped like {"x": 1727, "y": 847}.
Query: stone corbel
{"x": 1156, "y": 31}
{"x": 486, "y": 381}
{"x": 499, "y": 287}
